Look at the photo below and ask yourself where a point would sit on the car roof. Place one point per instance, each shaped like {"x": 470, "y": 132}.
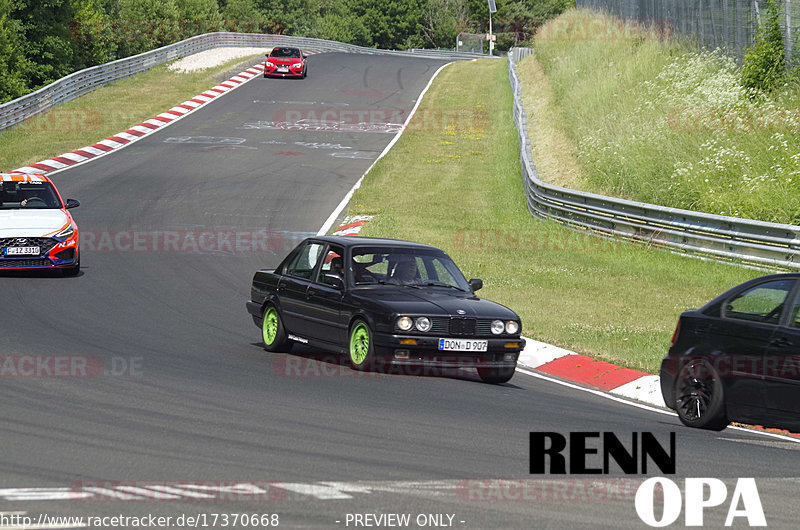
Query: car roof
{"x": 23, "y": 177}
{"x": 352, "y": 241}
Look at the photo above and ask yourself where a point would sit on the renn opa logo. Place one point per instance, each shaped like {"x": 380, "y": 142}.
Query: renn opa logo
{"x": 593, "y": 453}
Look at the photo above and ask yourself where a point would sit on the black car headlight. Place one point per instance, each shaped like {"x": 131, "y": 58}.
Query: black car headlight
{"x": 498, "y": 326}
{"x": 423, "y": 324}
{"x": 512, "y": 327}
{"x": 405, "y": 323}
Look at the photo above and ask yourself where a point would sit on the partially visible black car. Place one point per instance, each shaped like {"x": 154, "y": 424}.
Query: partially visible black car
{"x": 384, "y": 303}
{"x": 738, "y": 357}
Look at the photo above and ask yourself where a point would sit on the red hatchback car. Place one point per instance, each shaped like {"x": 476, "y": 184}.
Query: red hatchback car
{"x": 285, "y": 62}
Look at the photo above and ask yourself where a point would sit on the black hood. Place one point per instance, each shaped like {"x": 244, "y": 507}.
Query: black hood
{"x": 434, "y": 301}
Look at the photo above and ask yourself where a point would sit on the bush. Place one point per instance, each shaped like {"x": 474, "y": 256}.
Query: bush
{"x": 764, "y": 66}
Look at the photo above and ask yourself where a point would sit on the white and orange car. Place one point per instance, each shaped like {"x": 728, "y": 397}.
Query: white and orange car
{"x": 286, "y": 62}
{"x": 36, "y": 230}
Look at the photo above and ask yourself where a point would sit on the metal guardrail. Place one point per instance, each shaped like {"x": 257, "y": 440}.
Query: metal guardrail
{"x": 84, "y": 81}
{"x": 745, "y": 241}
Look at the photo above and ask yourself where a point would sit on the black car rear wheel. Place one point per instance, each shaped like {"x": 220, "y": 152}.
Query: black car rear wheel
{"x": 272, "y": 331}
{"x": 496, "y": 376}
{"x": 699, "y": 396}
{"x": 361, "y": 351}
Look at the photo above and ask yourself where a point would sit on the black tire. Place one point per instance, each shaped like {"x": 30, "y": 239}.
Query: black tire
{"x": 305, "y": 72}
{"x": 272, "y": 331}
{"x": 496, "y": 376}
{"x": 699, "y": 396}
{"x": 360, "y": 347}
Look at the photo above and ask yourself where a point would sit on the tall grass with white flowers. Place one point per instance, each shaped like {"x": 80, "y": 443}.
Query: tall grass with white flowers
{"x": 657, "y": 121}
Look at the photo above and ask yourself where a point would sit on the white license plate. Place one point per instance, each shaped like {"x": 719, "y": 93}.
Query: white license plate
{"x": 283, "y": 69}
{"x": 463, "y": 345}
{"x": 22, "y": 251}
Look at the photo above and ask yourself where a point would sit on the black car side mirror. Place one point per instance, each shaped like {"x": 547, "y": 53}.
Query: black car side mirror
{"x": 72, "y": 203}
{"x": 475, "y": 284}
{"x": 334, "y": 280}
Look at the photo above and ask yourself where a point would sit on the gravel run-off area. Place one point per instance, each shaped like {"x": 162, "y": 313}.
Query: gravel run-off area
{"x": 212, "y": 58}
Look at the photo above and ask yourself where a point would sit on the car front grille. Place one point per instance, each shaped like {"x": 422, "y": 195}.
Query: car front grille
{"x": 462, "y": 326}
{"x": 44, "y": 243}
{"x": 11, "y": 263}
{"x": 483, "y": 327}
{"x": 440, "y": 325}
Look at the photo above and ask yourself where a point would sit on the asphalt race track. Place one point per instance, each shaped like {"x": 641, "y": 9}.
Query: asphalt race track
{"x": 167, "y": 383}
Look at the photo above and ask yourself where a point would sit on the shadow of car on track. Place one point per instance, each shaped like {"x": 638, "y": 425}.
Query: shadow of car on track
{"x": 38, "y": 273}
{"x": 305, "y": 361}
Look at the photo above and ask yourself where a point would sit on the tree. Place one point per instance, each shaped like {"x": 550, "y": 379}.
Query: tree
{"x": 764, "y": 64}
{"x": 390, "y": 24}
{"x": 91, "y": 34}
{"x": 47, "y": 43}
{"x": 333, "y": 20}
{"x": 13, "y": 62}
{"x": 147, "y": 24}
{"x": 198, "y": 17}
{"x": 443, "y": 20}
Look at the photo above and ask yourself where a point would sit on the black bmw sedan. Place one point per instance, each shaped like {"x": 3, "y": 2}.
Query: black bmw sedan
{"x": 383, "y": 303}
{"x": 737, "y": 358}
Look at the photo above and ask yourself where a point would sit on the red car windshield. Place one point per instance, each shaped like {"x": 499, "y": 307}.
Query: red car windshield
{"x": 285, "y": 53}
{"x": 28, "y": 195}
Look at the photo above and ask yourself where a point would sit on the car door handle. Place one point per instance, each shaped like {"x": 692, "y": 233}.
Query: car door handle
{"x": 780, "y": 342}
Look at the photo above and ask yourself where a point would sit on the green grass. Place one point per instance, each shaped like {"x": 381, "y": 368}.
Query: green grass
{"x": 457, "y": 185}
{"x": 106, "y": 111}
{"x": 654, "y": 120}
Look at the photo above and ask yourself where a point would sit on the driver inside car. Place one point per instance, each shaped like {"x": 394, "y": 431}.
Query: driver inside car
{"x": 405, "y": 270}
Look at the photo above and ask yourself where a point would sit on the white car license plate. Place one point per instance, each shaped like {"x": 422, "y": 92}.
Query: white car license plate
{"x": 22, "y": 251}
{"x": 463, "y": 345}
{"x": 283, "y": 69}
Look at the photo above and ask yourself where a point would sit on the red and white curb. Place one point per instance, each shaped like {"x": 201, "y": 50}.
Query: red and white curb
{"x": 351, "y": 225}
{"x": 145, "y": 128}
{"x": 585, "y": 370}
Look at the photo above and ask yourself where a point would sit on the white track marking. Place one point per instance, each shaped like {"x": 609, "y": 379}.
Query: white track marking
{"x": 342, "y": 205}
{"x": 161, "y": 125}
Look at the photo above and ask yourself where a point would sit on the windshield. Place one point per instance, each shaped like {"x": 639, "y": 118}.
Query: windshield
{"x": 285, "y": 52}
{"x": 28, "y": 195}
{"x": 406, "y": 267}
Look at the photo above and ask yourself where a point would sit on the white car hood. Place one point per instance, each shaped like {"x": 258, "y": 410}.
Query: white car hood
{"x": 31, "y": 222}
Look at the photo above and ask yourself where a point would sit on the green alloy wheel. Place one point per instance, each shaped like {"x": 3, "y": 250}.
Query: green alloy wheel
{"x": 362, "y": 355}
{"x": 272, "y": 330}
